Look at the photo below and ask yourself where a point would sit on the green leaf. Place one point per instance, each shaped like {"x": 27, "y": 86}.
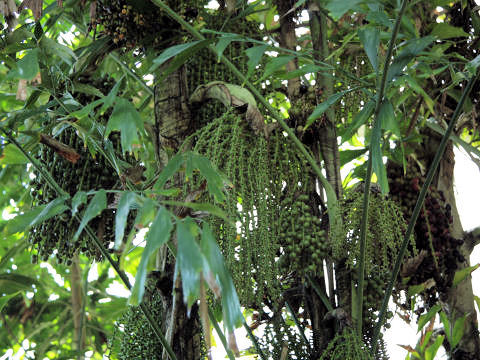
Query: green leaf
{"x": 305, "y": 69}
{"x": 12, "y": 155}
{"x": 416, "y": 289}
{"x": 425, "y": 318}
{"x": 15, "y": 250}
{"x": 190, "y": 261}
{"x": 275, "y": 64}
{"x": 425, "y": 341}
{"x": 11, "y": 283}
{"x": 446, "y": 31}
{"x": 4, "y": 299}
{"x": 95, "y": 207}
{"x": 389, "y": 121}
{"x": 223, "y": 43}
{"x": 418, "y": 89}
{"x": 433, "y": 349}
{"x": 86, "y": 110}
{"x": 53, "y": 48}
{"x": 78, "y": 199}
{"x": 462, "y": 274}
{"x": 408, "y": 53}
{"x": 380, "y": 18}
{"x": 473, "y": 65}
{"x": 146, "y": 213}
{"x": 35, "y": 216}
{"x": 126, "y": 201}
{"x": 446, "y": 326}
{"x": 112, "y": 96}
{"x": 321, "y": 108}
{"x": 215, "y": 181}
{"x": 158, "y": 235}
{"x": 127, "y": 120}
{"x": 254, "y": 54}
{"x": 468, "y": 148}
{"x": 173, "y": 51}
{"x": 182, "y": 54}
{"x": 458, "y": 331}
{"x": 27, "y": 67}
{"x": 370, "y": 39}
{"x": 338, "y": 8}
{"x": 360, "y": 119}
{"x": 348, "y": 155}
{"x": 171, "y": 168}
{"x": 232, "y": 315}
{"x": 477, "y": 301}
{"x": 375, "y": 147}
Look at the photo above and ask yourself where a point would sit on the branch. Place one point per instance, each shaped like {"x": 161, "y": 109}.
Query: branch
{"x": 472, "y": 238}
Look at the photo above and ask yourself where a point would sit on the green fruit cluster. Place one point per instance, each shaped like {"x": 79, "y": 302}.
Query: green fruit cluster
{"x": 346, "y": 346}
{"x": 134, "y": 338}
{"x": 302, "y": 237}
{"x": 55, "y": 236}
{"x": 385, "y": 229}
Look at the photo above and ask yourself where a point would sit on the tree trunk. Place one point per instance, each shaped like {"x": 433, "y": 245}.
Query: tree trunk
{"x": 172, "y": 125}
{"x": 460, "y": 299}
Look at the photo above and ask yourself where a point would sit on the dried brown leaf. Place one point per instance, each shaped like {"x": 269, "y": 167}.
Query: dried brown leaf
{"x": 61, "y": 149}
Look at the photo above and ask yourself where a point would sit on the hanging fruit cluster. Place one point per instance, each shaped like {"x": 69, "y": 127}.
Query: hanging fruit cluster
{"x": 302, "y": 237}
{"x": 133, "y": 336}
{"x": 268, "y": 176}
{"x": 385, "y": 231}
{"x": 432, "y": 231}
{"x": 87, "y": 173}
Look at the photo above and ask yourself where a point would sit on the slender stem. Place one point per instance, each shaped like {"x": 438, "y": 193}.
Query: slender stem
{"x": 331, "y": 197}
{"x": 253, "y": 338}
{"x": 368, "y": 178}
{"x": 416, "y": 211}
{"x": 297, "y": 323}
{"x": 220, "y": 334}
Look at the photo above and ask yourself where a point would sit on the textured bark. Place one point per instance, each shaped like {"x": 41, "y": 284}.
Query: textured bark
{"x": 288, "y": 40}
{"x": 172, "y": 126}
{"x": 327, "y": 139}
{"x": 460, "y": 300}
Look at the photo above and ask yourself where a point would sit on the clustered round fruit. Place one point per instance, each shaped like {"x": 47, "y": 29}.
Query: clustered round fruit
{"x": 140, "y": 24}
{"x": 346, "y": 345}
{"x": 303, "y": 239}
{"x": 55, "y": 235}
{"x": 133, "y": 337}
{"x": 86, "y": 174}
{"x": 432, "y": 231}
